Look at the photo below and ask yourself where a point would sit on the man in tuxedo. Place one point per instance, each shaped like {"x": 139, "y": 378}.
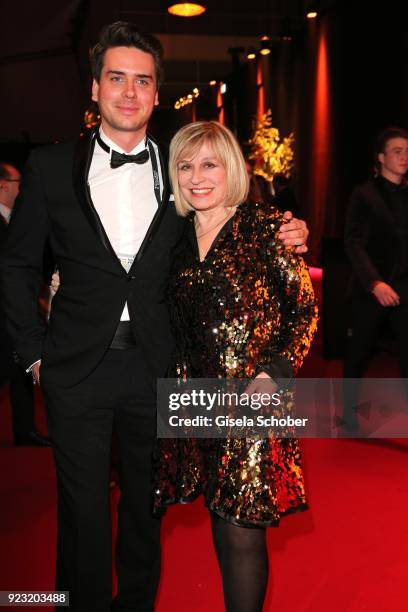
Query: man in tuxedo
{"x": 105, "y": 205}
{"x": 21, "y": 384}
{"x": 376, "y": 242}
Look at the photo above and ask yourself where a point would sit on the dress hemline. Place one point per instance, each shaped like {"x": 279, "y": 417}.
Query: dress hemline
{"x": 301, "y": 507}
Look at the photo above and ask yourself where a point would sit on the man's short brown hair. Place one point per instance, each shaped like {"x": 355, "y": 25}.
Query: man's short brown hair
{"x": 125, "y": 34}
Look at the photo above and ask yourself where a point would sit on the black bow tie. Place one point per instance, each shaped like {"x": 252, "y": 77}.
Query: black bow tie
{"x": 118, "y": 159}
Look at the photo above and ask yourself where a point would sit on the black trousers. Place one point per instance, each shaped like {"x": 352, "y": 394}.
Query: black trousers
{"x": 366, "y": 317}
{"x": 22, "y": 402}
{"x": 119, "y": 394}
{"x": 21, "y": 391}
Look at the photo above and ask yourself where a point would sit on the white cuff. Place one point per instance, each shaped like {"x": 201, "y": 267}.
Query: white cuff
{"x": 32, "y": 365}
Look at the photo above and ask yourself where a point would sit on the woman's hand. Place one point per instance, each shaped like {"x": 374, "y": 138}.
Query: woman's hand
{"x": 294, "y": 233}
{"x": 55, "y": 283}
{"x": 262, "y": 383}
{"x": 35, "y": 371}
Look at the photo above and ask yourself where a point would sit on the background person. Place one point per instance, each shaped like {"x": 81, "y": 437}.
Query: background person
{"x": 376, "y": 243}
{"x": 20, "y": 383}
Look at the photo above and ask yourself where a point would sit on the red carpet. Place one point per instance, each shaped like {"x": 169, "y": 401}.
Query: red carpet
{"x": 348, "y": 553}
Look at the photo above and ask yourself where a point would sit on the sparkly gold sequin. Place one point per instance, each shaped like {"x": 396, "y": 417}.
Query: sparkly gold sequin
{"x": 248, "y": 306}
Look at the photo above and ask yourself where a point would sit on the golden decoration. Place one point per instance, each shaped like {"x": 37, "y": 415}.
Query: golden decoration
{"x": 272, "y": 154}
{"x": 92, "y": 117}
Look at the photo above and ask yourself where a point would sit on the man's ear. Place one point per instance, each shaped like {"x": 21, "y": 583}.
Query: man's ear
{"x": 156, "y": 98}
{"x": 95, "y": 90}
{"x": 381, "y": 158}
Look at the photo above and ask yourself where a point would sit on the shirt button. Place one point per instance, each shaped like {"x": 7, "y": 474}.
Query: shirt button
{"x": 131, "y": 277}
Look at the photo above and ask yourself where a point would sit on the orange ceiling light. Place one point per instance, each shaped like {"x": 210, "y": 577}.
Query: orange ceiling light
{"x": 265, "y": 45}
{"x": 186, "y": 9}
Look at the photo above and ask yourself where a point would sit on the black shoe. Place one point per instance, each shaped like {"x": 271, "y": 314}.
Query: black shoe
{"x": 32, "y": 438}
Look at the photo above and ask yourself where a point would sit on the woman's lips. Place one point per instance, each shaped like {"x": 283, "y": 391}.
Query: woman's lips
{"x": 201, "y": 191}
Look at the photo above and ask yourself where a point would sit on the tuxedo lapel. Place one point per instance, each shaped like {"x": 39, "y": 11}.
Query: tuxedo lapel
{"x": 380, "y": 198}
{"x": 82, "y": 163}
{"x": 160, "y": 211}
{"x": 164, "y": 164}
{"x": 3, "y": 229}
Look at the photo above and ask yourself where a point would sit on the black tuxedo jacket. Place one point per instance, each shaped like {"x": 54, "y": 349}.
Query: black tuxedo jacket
{"x": 55, "y": 205}
{"x": 6, "y": 355}
{"x": 372, "y": 243}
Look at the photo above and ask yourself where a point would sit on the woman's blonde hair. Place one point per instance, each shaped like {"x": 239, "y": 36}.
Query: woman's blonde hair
{"x": 186, "y": 144}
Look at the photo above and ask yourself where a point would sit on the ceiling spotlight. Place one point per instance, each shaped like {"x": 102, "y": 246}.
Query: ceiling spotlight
{"x": 186, "y": 9}
{"x": 251, "y": 55}
{"x": 311, "y": 11}
{"x": 265, "y": 45}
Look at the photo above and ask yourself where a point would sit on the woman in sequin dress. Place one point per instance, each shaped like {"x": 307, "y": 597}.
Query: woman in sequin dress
{"x": 242, "y": 306}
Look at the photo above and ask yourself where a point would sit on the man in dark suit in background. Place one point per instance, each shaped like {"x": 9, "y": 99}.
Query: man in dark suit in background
{"x": 105, "y": 206}
{"x": 376, "y": 242}
{"x": 21, "y": 383}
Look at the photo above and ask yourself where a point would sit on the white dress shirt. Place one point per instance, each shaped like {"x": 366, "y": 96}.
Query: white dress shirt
{"x": 124, "y": 199}
{"x": 5, "y": 212}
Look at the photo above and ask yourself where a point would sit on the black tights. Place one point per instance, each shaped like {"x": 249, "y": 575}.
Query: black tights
{"x": 243, "y": 560}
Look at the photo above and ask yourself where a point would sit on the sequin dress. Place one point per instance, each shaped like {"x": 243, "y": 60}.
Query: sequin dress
{"x": 249, "y": 306}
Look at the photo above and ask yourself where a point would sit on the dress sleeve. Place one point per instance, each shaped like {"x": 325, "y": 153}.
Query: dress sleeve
{"x": 288, "y": 279}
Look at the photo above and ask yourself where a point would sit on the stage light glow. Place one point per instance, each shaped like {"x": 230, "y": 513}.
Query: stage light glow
{"x": 186, "y": 9}
{"x": 265, "y": 45}
{"x": 251, "y": 53}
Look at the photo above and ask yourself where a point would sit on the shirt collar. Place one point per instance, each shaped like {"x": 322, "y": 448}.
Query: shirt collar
{"x": 112, "y": 145}
{"x": 390, "y": 186}
{"x": 5, "y": 212}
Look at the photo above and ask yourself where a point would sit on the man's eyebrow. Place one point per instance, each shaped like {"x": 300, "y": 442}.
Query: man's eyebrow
{"x": 124, "y": 72}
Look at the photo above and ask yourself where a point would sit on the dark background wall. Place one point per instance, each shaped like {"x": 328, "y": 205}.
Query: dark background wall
{"x": 367, "y": 85}
{"x": 334, "y": 96}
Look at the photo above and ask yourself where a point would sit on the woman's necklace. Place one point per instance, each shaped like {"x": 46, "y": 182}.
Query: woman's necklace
{"x": 224, "y": 220}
